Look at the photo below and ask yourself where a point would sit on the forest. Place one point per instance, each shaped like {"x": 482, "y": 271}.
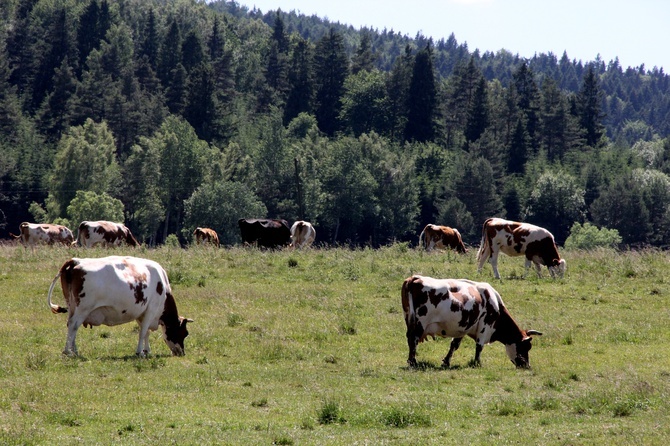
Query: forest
{"x": 173, "y": 114}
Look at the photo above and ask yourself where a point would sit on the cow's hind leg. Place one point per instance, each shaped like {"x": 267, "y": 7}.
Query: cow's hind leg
{"x": 73, "y": 325}
{"x": 412, "y": 342}
{"x": 455, "y": 343}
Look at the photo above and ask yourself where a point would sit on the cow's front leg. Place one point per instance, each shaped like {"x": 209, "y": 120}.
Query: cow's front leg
{"x": 478, "y": 352}
{"x": 494, "y": 265}
{"x": 455, "y": 343}
{"x": 143, "y": 349}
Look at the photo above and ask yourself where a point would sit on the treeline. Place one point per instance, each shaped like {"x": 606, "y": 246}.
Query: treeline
{"x": 174, "y": 114}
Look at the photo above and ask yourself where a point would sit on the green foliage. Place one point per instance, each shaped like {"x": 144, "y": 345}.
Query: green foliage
{"x": 85, "y": 161}
{"x": 219, "y": 206}
{"x": 588, "y": 236}
{"x": 88, "y": 205}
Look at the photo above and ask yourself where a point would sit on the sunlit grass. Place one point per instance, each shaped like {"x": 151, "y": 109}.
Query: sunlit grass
{"x": 309, "y": 347}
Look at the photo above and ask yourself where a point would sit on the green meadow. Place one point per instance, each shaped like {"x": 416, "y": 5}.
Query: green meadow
{"x": 309, "y": 348}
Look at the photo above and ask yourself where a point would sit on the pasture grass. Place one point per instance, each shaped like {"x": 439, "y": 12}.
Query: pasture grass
{"x": 309, "y": 347}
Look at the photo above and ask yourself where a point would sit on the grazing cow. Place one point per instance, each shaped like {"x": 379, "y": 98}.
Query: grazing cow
{"x": 115, "y": 290}
{"x": 104, "y": 233}
{"x": 265, "y": 232}
{"x": 32, "y": 234}
{"x": 441, "y": 237}
{"x": 302, "y": 234}
{"x": 455, "y": 308}
{"x": 517, "y": 239}
{"x": 206, "y": 235}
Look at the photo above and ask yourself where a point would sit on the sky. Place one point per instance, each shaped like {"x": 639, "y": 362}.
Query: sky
{"x": 637, "y": 32}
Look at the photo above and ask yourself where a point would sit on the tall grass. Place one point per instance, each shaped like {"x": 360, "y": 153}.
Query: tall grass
{"x": 309, "y": 347}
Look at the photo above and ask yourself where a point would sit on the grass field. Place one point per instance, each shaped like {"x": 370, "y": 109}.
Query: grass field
{"x": 309, "y": 348}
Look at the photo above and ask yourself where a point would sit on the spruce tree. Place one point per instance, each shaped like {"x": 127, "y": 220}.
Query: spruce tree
{"x": 422, "y": 99}
{"x": 331, "y": 69}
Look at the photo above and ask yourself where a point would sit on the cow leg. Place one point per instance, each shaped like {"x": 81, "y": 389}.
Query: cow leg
{"x": 412, "y": 342}
{"x": 526, "y": 268}
{"x": 494, "y": 265}
{"x": 538, "y": 269}
{"x": 455, "y": 343}
{"x": 73, "y": 325}
{"x": 478, "y": 352}
{"x": 143, "y": 349}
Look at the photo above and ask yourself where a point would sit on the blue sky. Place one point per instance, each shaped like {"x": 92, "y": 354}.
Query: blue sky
{"x": 637, "y": 32}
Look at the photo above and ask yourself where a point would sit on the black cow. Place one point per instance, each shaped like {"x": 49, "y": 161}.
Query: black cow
{"x": 265, "y": 232}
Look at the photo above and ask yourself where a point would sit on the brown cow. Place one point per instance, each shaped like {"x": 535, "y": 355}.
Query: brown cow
{"x": 441, "y": 237}
{"x": 32, "y": 234}
{"x": 206, "y": 235}
{"x": 518, "y": 239}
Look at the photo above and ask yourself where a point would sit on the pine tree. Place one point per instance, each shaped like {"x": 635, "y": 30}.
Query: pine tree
{"x": 589, "y": 106}
{"x": 422, "y": 99}
{"x": 397, "y": 90}
{"x": 478, "y": 112}
{"x": 300, "y": 81}
{"x": 149, "y": 40}
{"x": 331, "y": 69}
{"x": 364, "y": 59}
{"x": 527, "y": 101}
{"x": 170, "y": 54}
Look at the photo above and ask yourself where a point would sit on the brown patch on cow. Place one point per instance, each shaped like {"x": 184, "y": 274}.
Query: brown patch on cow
{"x": 72, "y": 282}
{"x": 545, "y": 249}
{"x": 491, "y": 317}
{"x": 422, "y": 310}
{"x": 138, "y": 290}
{"x": 455, "y": 306}
{"x": 159, "y": 288}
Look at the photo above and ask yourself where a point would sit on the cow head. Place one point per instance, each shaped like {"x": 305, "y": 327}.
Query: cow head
{"x": 518, "y": 352}
{"x": 558, "y": 268}
{"x": 174, "y": 336}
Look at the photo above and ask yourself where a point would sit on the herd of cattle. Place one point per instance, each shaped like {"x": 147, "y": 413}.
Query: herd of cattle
{"x": 115, "y": 290}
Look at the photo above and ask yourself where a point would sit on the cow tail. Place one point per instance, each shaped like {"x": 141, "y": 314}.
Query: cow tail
{"x": 410, "y": 317}
{"x": 421, "y": 238}
{"x": 484, "y": 244}
{"x": 55, "y": 309}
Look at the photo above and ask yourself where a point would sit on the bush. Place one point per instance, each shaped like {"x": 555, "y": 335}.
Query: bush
{"x": 588, "y": 236}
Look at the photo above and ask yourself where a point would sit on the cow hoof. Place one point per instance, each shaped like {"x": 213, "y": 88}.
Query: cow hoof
{"x": 411, "y": 363}
{"x": 446, "y": 365}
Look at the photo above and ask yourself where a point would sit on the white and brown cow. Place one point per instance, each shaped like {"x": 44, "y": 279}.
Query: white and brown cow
{"x": 441, "y": 237}
{"x": 303, "y": 234}
{"x": 519, "y": 239}
{"x": 456, "y": 308}
{"x": 32, "y": 234}
{"x": 206, "y": 235}
{"x": 104, "y": 233}
{"x": 115, "y": 290}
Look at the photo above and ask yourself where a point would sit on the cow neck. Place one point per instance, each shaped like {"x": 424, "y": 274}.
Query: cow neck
{"x": 507, "y": 330}
{"x": 170, "y": 316}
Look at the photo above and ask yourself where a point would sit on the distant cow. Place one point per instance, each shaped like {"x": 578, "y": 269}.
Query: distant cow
{"x": 517, "y": 239}
{"x": 206, "y": 235}
{"x": 456, "y": 308}
{"x": 104, "y": 233}
{"x": 265, "y": 232}
{"x": 302, "y": 234}
{"x": 31, "y": 234}
{"x": 441, "y": 237}
{"x": 115, "y": 290}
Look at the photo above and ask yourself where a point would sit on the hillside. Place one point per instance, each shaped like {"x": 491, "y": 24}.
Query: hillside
{"x": 178, "y": 114}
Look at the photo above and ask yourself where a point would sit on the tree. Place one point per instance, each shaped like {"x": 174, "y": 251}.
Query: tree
{"x": 331, "y": 69}
{"x": 478, "y": 113}
{"x": 422, "y": 99}
{"x": 364, "y": 59}
{"x": 364, "y": 103}
{"x": 589, "y": 108}
{"x": 397, "y": 88}
{"x": 85, "y": 161}
{"x": 555, "y": 203}
{"x": 89, "y": 205}
{"x": 219, "y": 206}
{"x": 480, "y": 197}
{"x": 300, "y": 81}
{"x": 527, "y": 96}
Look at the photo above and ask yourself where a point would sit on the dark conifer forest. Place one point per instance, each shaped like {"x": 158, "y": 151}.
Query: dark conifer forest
{"x": 173, "y": 114}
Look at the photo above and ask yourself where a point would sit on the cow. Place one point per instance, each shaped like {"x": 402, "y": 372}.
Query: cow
{"x": 31, "y": 234}
{"x": 206, "y": 235}
{"x": 104, "y": 233}
{"x": 115, "y": 290}
{"x": 441, "y": 237}
{"x": 517, "y": 239}
{"x": 302, "y": 234}
{"x": 264, "y": 232}
{"x": 458, "y": 307}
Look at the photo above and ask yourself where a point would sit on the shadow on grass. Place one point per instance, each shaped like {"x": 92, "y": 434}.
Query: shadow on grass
{"x": 423, "y": 366}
